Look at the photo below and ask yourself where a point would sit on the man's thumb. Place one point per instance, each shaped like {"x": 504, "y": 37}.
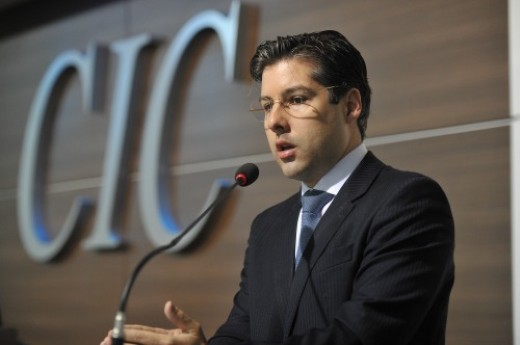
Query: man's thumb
{"x": 178, "y": 317}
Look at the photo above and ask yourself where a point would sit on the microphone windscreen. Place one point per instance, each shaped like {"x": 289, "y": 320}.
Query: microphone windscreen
{"x": 246, "y": 174}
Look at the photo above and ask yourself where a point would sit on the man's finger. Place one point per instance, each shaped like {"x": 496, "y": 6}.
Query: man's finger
{"x": 138, "y": 334}
{"x": 179, "y": 318}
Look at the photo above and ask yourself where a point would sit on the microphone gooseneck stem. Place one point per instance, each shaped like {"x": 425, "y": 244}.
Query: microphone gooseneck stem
{"x": 244, "y": 176}
{"x": 173, "y": 242}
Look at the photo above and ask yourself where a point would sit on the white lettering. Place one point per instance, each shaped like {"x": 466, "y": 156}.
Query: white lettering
{"x": 159, "y": 223}
{"x": 34, "y": 233}
{"x": 122, "y": 126}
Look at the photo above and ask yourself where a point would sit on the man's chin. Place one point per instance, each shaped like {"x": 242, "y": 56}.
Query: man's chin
{"x": 291, "y": 169}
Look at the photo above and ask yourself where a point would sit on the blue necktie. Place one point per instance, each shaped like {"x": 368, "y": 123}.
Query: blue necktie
{"x": 312, "y": 202}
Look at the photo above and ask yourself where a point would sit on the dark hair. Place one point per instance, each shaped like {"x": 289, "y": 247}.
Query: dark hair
{"x": 338, "y": 63}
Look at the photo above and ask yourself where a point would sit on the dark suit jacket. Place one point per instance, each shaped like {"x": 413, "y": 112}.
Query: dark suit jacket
{"x": 379, "y": 269}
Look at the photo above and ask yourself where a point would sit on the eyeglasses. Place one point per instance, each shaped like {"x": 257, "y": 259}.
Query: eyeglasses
{"x": 295, "y": 106}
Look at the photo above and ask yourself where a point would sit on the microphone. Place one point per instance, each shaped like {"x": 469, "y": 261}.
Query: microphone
{"x": 244, "y": 176}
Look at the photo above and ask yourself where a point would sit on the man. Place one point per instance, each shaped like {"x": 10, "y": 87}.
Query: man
{"x": 377, "y": 268}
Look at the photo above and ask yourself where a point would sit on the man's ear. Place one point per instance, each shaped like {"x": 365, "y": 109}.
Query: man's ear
{"x": 353, "y": 105}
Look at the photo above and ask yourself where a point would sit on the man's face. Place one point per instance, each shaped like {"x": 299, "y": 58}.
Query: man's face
{"x": 307, "y": 146}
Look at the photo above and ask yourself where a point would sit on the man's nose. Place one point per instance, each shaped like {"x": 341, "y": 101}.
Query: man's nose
{"x": 276, "y": 119}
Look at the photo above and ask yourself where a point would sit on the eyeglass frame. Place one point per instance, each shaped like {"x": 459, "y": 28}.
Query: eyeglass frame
{"x": 261, "y": 114}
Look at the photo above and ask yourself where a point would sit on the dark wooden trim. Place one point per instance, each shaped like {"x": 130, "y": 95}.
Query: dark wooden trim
{"x": 27, "y": 15}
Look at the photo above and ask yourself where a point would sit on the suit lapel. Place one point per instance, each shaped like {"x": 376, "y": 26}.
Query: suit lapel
{"x": 283, "y": 251}
{"x": 356, "y": 186}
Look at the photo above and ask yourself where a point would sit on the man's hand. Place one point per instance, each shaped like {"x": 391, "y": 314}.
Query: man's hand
{"x": 187, "y": 331}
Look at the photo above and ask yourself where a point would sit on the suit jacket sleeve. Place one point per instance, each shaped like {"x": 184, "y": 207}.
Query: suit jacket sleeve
{"x": 401, "y": 272}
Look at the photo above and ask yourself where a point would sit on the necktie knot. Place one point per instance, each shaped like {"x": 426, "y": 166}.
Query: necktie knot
{"x": 314, "y": 200}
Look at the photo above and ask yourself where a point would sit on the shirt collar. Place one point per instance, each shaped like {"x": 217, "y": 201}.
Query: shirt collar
{"x": 332, "y": 181}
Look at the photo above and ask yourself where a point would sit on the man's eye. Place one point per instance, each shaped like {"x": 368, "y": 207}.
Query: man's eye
{"x": 297, "y": 100}
{"x": 267, "y": 107}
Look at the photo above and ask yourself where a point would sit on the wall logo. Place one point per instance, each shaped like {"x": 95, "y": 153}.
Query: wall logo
{"x": 159, "y": 223}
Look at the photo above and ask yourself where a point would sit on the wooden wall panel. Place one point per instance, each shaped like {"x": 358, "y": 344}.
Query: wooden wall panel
{"x": 432, "y": 65}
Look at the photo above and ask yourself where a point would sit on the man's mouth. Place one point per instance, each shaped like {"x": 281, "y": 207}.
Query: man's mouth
{"x": 285, "y": 147}
{"x": 285, "y": 150}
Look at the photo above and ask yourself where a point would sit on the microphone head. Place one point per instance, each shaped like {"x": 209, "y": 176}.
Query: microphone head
{"x": 246, "y": 174}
